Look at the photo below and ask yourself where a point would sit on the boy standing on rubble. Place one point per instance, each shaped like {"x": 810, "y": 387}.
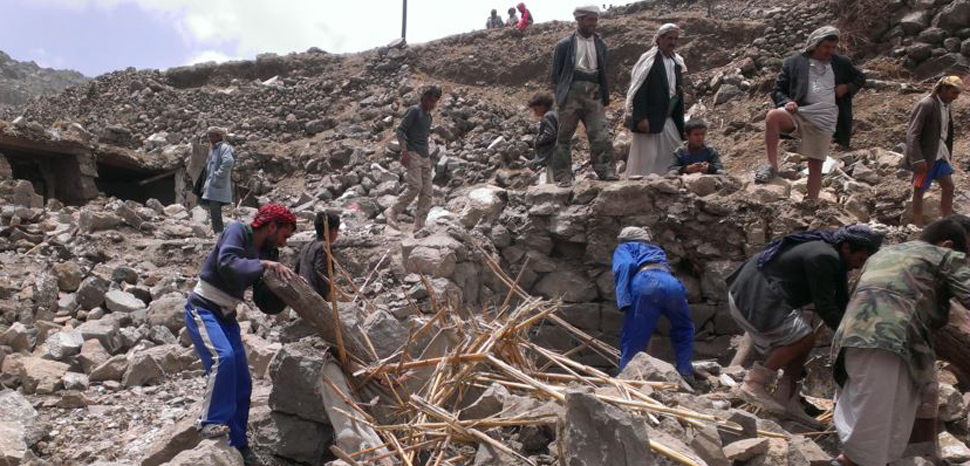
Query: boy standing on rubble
{"x": 413, "y": 135}
{"x": 884, "y": 359}
{"x": 645, "y": 290}
{"x": 929, "y": 145}
{"x": 546, "y": 134}
{"x": 766, "y": 296}
{"x": 241, "y": 256}
{"x": 311, "y": 263}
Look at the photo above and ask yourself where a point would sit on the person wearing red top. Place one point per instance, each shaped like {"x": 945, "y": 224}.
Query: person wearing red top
{"x": 526, "y": 20}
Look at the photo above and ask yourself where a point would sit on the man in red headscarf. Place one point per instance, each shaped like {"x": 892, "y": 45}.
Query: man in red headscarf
{"x": 526, "y": 19}
{"x": 240, "y": 258}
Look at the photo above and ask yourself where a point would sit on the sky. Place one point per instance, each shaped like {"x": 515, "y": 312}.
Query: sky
{"x": 98, "y": 36}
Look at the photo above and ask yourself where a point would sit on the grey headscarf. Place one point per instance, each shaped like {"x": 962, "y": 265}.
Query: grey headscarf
{"x": 579, "y": 12}
{"x": 818, "y": 35}
{"x": 666, "y": 29}
{"x": 629, "y": 234}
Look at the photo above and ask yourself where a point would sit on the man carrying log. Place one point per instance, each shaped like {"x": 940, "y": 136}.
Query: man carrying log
{"x": 766, "y": 295}
{"x": 241, "y": 257}
{"x": 645, "y": 290}
{"x": 884, "y": 359}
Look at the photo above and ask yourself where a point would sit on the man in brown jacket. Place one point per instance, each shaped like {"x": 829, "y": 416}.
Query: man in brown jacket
{"x": 929, "y": 145}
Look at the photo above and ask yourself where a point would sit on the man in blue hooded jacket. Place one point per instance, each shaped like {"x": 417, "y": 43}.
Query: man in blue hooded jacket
{"x": 645, "y": 290}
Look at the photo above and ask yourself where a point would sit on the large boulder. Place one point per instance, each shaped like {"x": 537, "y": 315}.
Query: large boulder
{"x": 123, "y": 301}
{"x": 92, "y": 355}
{"x": 169, "y": 310}
{"x": 106, "y": 331}
{"x": 143, "y": 369}
{"x": 646, "y": 367}
{"x": 385, "y": 332}
{"x": 435, "y": 262}
{"x": 594, "y": 433}
{"x": 954, "y": 16}
{"x": 291, "y": 437}
{"x": 483, "y": 205}
{"x": 19, "y": 429}
{"x": 69, "y": 275}
{"x": 215, "y": 452}
{"x": 259, "y": 353}
{"x": 19, "y": 337}
{"x": 36, "y": 375}
{"x": 570, "y": 284}
{"x": 64, "y": 344}
{"x": 296, "y": 372}
{"x": 176, "y": 438}
{"x": 112, "y": 369}
{"x": 91, "y": 291}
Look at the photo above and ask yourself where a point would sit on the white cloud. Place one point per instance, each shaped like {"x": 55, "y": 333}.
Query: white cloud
{"x": 249, "y": 27}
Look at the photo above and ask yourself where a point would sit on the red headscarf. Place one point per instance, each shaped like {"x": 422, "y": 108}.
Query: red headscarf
{"x": 273, "y": 213}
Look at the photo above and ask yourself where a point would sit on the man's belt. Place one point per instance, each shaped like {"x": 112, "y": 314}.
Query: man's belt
{"x": 653, "y": 266}
{"x": 579, "y": 75}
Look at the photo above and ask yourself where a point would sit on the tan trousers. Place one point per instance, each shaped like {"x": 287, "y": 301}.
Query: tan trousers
{"x": 419, "y": 185}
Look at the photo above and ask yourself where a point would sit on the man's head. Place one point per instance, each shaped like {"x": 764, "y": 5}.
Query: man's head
{"x": 327, "y": 222}
{"x": 856, "y": 243}
{"x": 964, "y": 222}
{"x": 587, "y": 17}
{"x": 541, "y": 103}
{"x": 639, "y": 234}
{"x": 521, "y": 7}
{"x": 946, "y": 233}
{"x": 494, "y": 12}
{"x": 823, "y": 42}
{"x": 216, "y": 134}
{"x": 430, "y": 96}
{"x": 948, "y": 88}
{"x": 512, "y": 11}
{"x": 667, "y": 37}
{"x": 696, "y": 131}
{"x": 277, "y": 222}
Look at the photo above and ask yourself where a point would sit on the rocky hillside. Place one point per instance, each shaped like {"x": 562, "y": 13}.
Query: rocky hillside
{"x": 20, "y": 81}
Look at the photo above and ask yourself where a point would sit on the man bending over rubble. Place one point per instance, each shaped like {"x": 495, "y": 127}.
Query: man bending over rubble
{"x": 814, "y": 99}
{"x": 413, "y": 136}
{"x": 884, "y": 359}
{"x": 929, "y": 145}
{"x": 240, "y": 258}
{"x": 766, "y": 295}
{"x": 645, "y": 290}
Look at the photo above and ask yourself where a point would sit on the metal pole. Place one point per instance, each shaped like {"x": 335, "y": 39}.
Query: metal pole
{"x": 404, "y": 21}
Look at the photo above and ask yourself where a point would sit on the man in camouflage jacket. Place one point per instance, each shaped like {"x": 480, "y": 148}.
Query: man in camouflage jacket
{"x": 884, "y": 358}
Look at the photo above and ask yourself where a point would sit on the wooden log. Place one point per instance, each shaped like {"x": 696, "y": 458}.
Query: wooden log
{"x": 315, "y": 311}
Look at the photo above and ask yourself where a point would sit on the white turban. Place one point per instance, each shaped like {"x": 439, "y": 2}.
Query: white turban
{"x": 217, "y": 130}
{"x": 579, "y": 12}
{"x": 818, "y": 35}
{"x": 629, "y": 234}
{"x": 666, "y": 29}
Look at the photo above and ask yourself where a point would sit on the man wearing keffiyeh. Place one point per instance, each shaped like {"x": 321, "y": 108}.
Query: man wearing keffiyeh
{"x": 766, "y": 296}
{"x": 242, "y": 255}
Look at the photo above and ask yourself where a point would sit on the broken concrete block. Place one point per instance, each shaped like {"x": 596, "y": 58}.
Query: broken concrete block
{"x": 64, "y": 344}
{"x": 169, "y": 310}
{"x": 385, "y": 332}
{"x": 215, "y": 452}
{"x": 593, "y": 433}
{"x": 259, "y": 353}
{"x": 291, "y": 437}
{"x": 744, "y": 450}
{"x": 707, "y": 444}
{"x": 112, "y": 369}
{"x": 122, "y": 301}
{"x": 19, "y": 337}
{"x": 75, "y": 381}
{"x": 489, "y": 404}
{"x": 36, "y": 375}
{"x": 69, "y": 275}
{"x": 143, "y": 369}
{"x": 803, "y": 451}
{"x": 646, "y": 367}
{"x": 174, "y": 439}
{"x": 91, "y": 291}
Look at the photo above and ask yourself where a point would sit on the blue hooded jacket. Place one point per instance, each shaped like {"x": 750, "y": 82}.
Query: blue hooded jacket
{"x": 627, "y": 260}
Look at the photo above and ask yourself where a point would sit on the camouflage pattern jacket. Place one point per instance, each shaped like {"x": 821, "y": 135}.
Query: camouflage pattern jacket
{"x": 903, "y": 295}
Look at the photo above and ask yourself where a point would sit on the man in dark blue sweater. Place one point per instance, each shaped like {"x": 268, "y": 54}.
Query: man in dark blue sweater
{"x": 240, "y": 258}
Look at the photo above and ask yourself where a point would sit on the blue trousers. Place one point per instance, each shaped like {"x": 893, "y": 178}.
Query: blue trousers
{"x": 229, "y": 384}
{"x": 656, "y": 293}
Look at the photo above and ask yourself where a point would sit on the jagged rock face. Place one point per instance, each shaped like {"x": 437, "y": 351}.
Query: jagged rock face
{"x": 20, "y": 81}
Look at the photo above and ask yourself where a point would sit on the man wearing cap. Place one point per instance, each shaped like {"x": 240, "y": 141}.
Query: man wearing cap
{"x": 217, "y": 191}
{"x": 655, "y": 106}
{"x": 645, "y": 290}
{"x": 582, "y": 93}
{"x": 813, "y": 96}
{"x": 929, "y": 145}
{"x": 242, "y": 255}
{"x": 766, "y": 296}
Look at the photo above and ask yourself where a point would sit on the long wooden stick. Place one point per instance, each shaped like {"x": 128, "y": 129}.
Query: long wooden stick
{"x": 342, "y": 351}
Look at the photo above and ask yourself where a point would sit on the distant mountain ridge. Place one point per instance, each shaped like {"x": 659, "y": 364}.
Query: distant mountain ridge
{"x": 19, "y": 81}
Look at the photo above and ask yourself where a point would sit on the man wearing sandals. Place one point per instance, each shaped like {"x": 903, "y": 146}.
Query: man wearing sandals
{"x": 813, "y": 96}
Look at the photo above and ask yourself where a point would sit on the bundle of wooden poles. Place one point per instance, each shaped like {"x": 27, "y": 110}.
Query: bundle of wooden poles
{"x": 493, "y": 348}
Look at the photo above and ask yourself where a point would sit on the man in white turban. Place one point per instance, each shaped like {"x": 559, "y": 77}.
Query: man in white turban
{"x": 655, "y": 106}
{"x": 217, "y": 190}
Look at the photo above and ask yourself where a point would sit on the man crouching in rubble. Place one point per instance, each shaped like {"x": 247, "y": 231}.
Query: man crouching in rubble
{"x": 766, "y": 295}
{"x": 645, "y": 289}
{"x": 241, "y": 256}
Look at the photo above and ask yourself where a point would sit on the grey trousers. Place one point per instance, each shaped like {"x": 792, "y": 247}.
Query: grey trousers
{"x": 215, "y": 216}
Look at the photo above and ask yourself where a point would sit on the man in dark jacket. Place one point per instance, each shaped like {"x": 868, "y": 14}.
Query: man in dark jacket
{"x": 546, "y": 134}
{"x": 929, "y": 145}
{"x": 579, "y": 79}
{"x": 243, "y": 254}
{"x": 311, "y": 263}
{"x": 766, "y": 296}
{"x": 813, "y": 96}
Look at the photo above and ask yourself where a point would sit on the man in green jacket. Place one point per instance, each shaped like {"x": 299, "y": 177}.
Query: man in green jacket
{"x": 884, "y": 359}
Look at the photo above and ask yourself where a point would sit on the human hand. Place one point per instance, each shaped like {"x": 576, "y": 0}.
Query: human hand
{"x": 643, "y": 126}
{"x": 405, "y": 158}
{"x": 791, "y": 107}
{"x": 841, "y": 90}
{"x": 282, "y": 272}
{"x": 703, "y": 167}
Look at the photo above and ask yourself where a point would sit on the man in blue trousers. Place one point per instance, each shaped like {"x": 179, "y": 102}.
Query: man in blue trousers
{"x": 645, "y": 290}
{"x": 240, "y": 258}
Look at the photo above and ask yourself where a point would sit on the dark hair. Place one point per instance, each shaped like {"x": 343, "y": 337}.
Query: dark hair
{"x": 512, "y": 11}
{"x": 432, "y": 91}
{"x": 694, "y": 123}
{"x": 943, "y": 230}
{"x": 830, "y": 38}
{"x": 542, "y": 98}
{"x": 332, "y": 222}
{"x": 963, "y": 221}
